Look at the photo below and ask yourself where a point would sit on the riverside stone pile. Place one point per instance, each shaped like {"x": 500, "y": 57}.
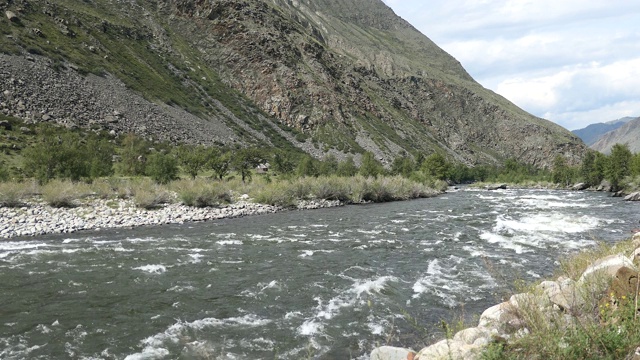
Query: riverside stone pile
{"x": 37, "y": 218}
{"x": 563, "y": 301}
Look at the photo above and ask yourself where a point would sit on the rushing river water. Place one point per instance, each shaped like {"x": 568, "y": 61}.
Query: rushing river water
{"x": 328, "y": 284}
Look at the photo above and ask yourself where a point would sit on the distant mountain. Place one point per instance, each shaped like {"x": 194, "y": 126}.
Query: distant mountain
{"x": 593, "y": 132}
{"x": 628, "y": 133}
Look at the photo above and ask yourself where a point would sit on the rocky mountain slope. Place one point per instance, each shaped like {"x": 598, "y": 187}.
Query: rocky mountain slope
{"x": 323, "y": 76}
{"x": 629, "y": 134}
{"x": 593, "y": 132}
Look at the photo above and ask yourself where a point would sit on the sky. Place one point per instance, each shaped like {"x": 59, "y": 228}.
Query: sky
{"x": 574, "y": 62}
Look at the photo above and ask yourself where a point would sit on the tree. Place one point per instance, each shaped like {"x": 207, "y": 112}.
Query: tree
{"x": 307, "y": 167}
{"x": 347, "y": 167}
{"x": 162, "y": 168}
{"x": 635, "y": 165}
{"x": 561, "y": 173}
{"x": 245, "y": 161}
{"x": 618, "y": 165}
{"x": 370, "y": 166}
{"x": 100, "y": 153}
{"x": 436, "y": 166}
{"x": 328, "y": 165}
{"x": 193, "y": 159}
{"x": 54, "y": 154}
{"x": 402, "y": 165}
{"x": 592, "y": 168}
{"x": 282, "y": 163}
{"x": 220, "y": 163}
{"x": 133, "y": 155}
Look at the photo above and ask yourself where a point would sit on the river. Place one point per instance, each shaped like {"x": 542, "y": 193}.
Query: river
{"x": 322, "y": 284}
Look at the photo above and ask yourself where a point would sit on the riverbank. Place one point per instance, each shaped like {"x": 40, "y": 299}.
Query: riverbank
{"x": 36, "y": 217}
{"x": 590, "y": 310}
{"x": 65, "y": 207}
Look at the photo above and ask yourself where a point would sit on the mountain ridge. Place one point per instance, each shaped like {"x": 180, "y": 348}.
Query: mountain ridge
{"x": 629, "y": 134}
{"x": 323, "y": 76}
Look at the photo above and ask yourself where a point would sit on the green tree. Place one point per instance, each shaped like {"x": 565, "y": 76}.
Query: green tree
{"x": 347, "y": 167}
{"x": 56, "y": 154}
{"x": 282, "y": 163}
{"x": 592, "y": 168}
{"x": 162, "y": 168}
{"x": 245, "y": 161}
{"x": 134, "y": 151}
{"x": 100, "y": 152}
{"x": 307, "y": 167}
{"x": 403, "y": 165}
{"x": 193, "y": 159}
{"x": 561, "y": 173}
{"x": 436, "y": 166}
{"x": 635, "y": 165}
{"x": 618, "y": 165}
{"x": 220, "y": 163}
{"x": 370, "y": 166}
{"x": 328, "y": 166}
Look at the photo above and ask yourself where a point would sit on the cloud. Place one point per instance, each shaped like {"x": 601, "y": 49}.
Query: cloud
{"x": 579, "y": 94}
{"x": 572, "y": 61}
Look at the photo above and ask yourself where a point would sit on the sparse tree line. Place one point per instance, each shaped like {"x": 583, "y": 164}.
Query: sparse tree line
{"x": 63, "y": 154}
{"x": 618, "y": 168}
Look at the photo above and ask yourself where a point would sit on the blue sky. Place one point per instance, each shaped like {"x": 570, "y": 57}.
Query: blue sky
{"x": 574, "y": 62}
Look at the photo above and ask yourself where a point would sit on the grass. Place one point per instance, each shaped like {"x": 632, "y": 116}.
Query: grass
{"x": 606, "y": 325}
{"x": 201, "y": 192}
{"x": 13, "y": 194}
{"x": 63, "y": 193}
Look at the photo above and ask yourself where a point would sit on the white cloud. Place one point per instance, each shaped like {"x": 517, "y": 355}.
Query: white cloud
{"x": 572, "y": 61}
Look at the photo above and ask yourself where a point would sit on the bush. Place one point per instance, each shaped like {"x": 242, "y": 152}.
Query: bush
{"x": 149, "y": 195}
{"x": 331, "y": 188}
{"x": 59, "y": 193}
{"x": 12, "y": 194}
{"x": 162, "y": 168}
{"x": 201, "y": 193}
{"x": 277, "y": 194}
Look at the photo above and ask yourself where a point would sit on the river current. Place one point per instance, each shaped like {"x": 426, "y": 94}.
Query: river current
{"x": 325, "y": 284}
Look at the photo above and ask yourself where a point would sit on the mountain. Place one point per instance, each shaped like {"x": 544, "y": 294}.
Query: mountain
{"x": 323, "y": 76}
{"x": 628, "y": 133}
{"x": 593, "y": 132}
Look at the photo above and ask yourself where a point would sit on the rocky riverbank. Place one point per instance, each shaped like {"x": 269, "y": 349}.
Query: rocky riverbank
{"x": 35, "y": 217}
{"x": 596, "y": 299}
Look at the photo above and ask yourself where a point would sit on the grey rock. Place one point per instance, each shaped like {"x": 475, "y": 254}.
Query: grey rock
{"x": 579, "y": 187}
{"x": 633, "y": 197}
{"x": 391, "y": 353}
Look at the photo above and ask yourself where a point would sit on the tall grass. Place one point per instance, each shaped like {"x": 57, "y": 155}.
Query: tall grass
{"x": 201, "y": 192}
{"x": 13, "y": 194}
{"x": 147, "y": 194}
{"x": 357, "y": 189}
{"x": 64, "y": 193}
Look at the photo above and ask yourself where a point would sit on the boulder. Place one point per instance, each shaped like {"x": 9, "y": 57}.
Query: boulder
{"x": 501, "y": 318}
{"x": 6, "y": 125}
{"x": 497, "y": 187}
{"x": 449, "y": 350}
{"x": 12, "y": 16}
{"x": 392, "y": 353}
{"x": 579, "y": 187}
{"x": 633, "y": 197}
{"x": 608, "y": 265}
{"x": 471, "y": 335}
{"x": 618, "y": 194}
{"x": 563, "y": 294}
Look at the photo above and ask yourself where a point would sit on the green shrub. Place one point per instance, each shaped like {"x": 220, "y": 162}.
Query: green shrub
{"x": 201, "y": 193}
{"x": 277, "y": 194}
{"x": 162, "y": 168}
{"x": 331, "y": 188}
{"x": 149, "y": 195}
{"x": 12, "y": 194}
{"x": 64, "y": 193}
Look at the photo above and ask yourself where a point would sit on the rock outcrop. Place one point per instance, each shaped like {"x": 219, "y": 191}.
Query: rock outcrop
{"x": 563, "y": 301}
{"x": 324, "y": 76}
